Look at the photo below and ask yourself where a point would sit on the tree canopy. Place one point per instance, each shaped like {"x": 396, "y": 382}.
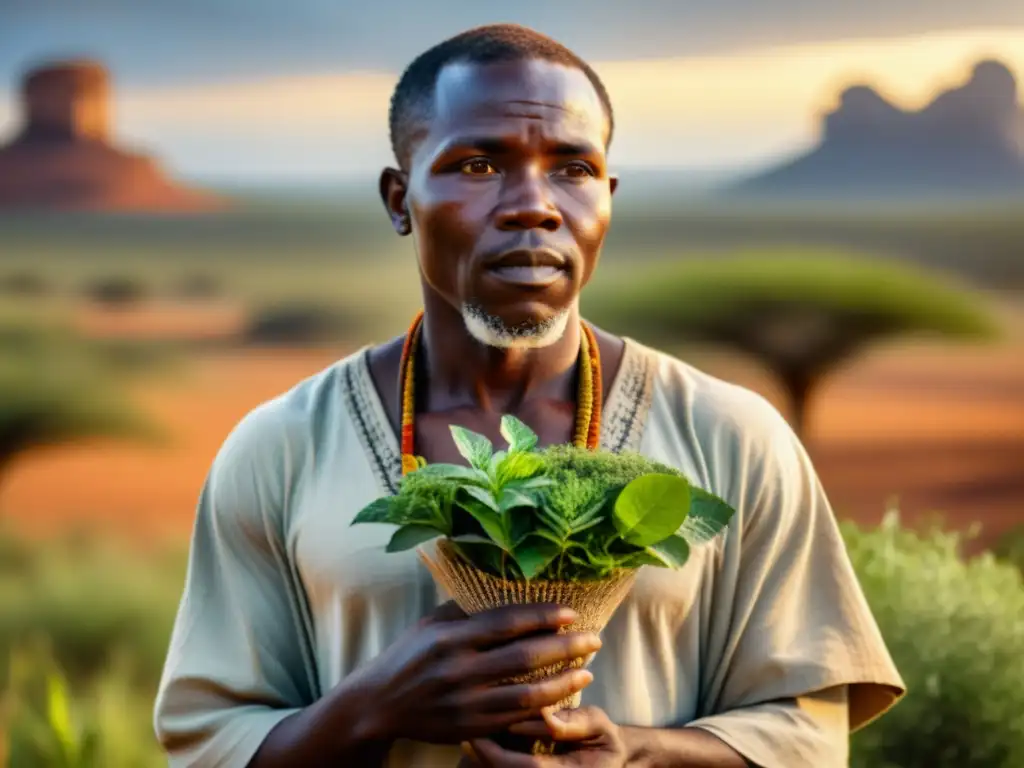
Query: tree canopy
{"x": 800, "y": 316}
{"x": 57, "y": 387}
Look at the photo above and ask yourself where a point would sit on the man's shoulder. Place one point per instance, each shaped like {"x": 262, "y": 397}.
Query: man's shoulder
{"x": 715, "y": 408}
{"x": 743, "y": 447}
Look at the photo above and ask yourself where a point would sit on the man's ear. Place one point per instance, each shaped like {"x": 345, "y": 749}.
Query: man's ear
{"x": 613, "y": 183}
{"x": 394, "y": 185}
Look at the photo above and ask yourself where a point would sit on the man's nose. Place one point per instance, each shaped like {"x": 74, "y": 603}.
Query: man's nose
{"x": 527, "y": 203}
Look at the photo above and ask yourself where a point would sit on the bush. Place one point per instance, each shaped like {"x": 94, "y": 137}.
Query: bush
{"x": 288, "y": 325}
{"x": 198, "y": 286}
{"x": 56, "y": 387}
{"x": 1010, "y": 547}
{"x": 116, "y": 291}
{"x": 46, "y": 724}
{"x": 91, "y": 601}
{"x": 91, "y": 621}
{"x": 24, "y": 285}
{"x": 955, "y": 628}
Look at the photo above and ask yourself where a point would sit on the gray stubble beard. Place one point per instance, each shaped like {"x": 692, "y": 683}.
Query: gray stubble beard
{"x": 491, "y": 331}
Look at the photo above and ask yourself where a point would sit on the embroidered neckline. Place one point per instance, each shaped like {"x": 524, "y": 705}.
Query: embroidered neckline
{"x": 625, "y": 411}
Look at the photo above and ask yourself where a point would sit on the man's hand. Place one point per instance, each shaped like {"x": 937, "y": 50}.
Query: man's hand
{"x": 443, "y": 681}
{"x": 585, "y": 737}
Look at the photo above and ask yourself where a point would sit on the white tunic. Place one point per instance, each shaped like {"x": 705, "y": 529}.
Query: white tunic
{"x": 283, "y": 598}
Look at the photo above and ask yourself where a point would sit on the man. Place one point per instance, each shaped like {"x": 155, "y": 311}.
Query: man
{"x": 300, "y": 643}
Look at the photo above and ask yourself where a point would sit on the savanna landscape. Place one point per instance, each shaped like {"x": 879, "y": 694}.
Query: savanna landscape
{"x": 867, "y": 279}
{"x": 213, "y": 315}
{"x": 937, "y": 426}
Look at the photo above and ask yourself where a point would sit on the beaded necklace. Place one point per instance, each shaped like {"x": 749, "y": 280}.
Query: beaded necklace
{"x": 587, "y": 431}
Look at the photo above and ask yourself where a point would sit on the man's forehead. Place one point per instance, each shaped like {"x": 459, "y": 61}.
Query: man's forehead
{"x": 532, "y": 88}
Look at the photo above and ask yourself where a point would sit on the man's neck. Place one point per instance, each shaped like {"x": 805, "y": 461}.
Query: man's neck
{"x": 466, "y": 373}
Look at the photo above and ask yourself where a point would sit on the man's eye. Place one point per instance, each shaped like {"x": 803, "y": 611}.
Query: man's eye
{"x": 576, "y": 171}
{"x": 478, "y": 167}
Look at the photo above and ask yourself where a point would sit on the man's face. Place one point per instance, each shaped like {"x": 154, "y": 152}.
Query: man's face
{"x": 508, "y": 193}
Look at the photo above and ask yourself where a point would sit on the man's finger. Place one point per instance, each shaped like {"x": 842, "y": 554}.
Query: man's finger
{"x": 449, "y": 611}
{"x": 531, "y": 654}
{"x": 532, "y": 696}
{"x": 573, "y": 724}
{"x": 469, "y": 756}
{"x": 501, "y": 625}
{"x": 534, "y": 729}
{"x": 566, "y": 725}
{"x": 494, "y": 756}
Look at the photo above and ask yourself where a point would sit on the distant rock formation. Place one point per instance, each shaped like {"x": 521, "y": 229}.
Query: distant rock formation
{"x": 968, "y": 142}
{"x": 63, "y": 158}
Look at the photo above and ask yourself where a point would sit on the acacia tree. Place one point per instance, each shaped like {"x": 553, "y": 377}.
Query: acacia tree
{"x": 799, "y": 317}
{"x": 56, "y": 388}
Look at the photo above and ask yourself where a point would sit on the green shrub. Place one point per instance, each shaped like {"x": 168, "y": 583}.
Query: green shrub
{"x": 46, "y": 725}
{"x": 57, "y": 387}
{"x": 198, "y": 286}
{"x": 955, "y": 628}
{"x": 116, "y": 291}
{"x": 91, "y": 601}
{"x": 27, "y": 285}
{"x": 86, "y": 622}
{"x": 305, "y": 324}
{"x": 1010, "y": 547}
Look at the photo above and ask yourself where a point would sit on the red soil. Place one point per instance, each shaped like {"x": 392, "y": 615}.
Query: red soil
{"x": 942, "y": 429}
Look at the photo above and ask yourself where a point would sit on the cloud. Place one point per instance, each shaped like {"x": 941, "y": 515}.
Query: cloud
{"x": 711, "y": 111}
{"x": 163, "y": 41}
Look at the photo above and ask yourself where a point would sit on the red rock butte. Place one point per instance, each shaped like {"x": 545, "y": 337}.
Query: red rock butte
{"x": 63, "y": 158}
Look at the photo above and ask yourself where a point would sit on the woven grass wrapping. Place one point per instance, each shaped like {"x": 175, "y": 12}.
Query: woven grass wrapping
{"x": 474, "y": 591}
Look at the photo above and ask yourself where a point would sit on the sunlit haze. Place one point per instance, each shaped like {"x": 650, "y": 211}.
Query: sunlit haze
{"x": 725, "y": 111}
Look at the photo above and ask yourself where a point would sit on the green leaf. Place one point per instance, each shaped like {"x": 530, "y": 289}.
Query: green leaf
{"x": 554, "y": 522}
{"x": 472, "y": 538}
{"x": 643, "y": 557}
{"x": 495, "y": 463}
{"x": 476, "y": 449}
{"x": 491, "y": 521}
{"x": 709, "y": 515}
{"x": 595, "y": 562}
{"x": 513, "y": 499}
{"x": 409, "y": 536}
{"x": 519, "y": 437}
{"x": 673, "y": 552}
{"x": 519, "y": 466}
{"x": 398, "y": 510}
{"x": 589, "y": 518}
{"x": 481, "y": 552}
{"x": 651, "y": 508}
{"x": 580, "y": 528}
{"x": 89, "y": 751}
{"x": 562, "y": 543}
{"x": 482, "y": 495}
{"x": 379, "y": 511}
{"x": 455, "y": 472}
{"x": 531, "y": 484}
{"x": 534, "y": 555}
{"x": 58, "y": 713}
{"x": 519, "y": 523}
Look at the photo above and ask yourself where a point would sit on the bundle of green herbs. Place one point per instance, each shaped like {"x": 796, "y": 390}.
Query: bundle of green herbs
{"x": 560, "y": 514}
{"x": 560, "y": 525}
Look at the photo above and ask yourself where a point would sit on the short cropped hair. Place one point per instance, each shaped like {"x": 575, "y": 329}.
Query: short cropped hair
{"x": 413, "y": 98}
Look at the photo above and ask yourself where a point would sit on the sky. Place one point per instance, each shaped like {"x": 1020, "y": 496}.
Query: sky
{"x": 249, "y": 91}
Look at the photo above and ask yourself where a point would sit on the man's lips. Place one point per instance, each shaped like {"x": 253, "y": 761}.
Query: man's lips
{"x": 535, "y": 276}
{"x": 529, "y": 267}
